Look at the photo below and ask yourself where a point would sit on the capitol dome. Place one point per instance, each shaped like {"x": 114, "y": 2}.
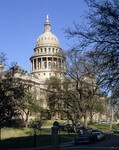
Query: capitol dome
{"x": 48, "y": 59}
{"x": 47, "y": 38}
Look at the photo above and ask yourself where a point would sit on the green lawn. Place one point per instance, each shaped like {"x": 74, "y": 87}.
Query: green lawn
{"x": 24, "y": 138}
{"x": 104, "y": 127}
{"x": 50, "y": 122}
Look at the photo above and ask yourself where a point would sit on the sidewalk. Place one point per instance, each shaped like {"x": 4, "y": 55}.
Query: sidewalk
{"x": 62, "y": 146}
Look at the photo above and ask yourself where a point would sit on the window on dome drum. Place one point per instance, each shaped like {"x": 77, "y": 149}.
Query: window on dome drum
{"x": 49, "y": 49}
{"x": 45, "y": 64}
{"x": 49, "y": 64}
{"x": 44, "y": 58}
{"x": 45, "y": 50}
{"x": 41, "y": 50}
{"x": 44, "y": 74}
{"x": 34, "y": 63}
{"x": 49, "y": 59}
{"x": 53, "y": 50}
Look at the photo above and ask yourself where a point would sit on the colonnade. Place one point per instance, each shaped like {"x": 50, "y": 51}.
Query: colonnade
{"x": 47, "y": 63}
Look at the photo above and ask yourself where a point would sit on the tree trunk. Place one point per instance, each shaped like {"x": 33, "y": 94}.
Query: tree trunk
{"x": 91, "y": 117}
{"x": 86, "y": 119}
{"x": 111, "y": 118}
{"x": 26, "y": 120}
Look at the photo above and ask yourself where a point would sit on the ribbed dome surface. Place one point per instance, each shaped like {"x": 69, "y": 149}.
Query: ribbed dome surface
{"x": 47, "y": 38}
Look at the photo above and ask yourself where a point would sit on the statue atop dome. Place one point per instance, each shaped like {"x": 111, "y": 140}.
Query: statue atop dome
{"x": 47, "y": 17}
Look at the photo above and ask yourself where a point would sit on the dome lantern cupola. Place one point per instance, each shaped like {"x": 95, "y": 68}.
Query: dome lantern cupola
{"x": 47, "y": 25}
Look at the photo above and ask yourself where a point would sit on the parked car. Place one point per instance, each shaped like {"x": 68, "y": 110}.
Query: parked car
{"x": 77, "y": 127}
{"x": 89, "y": 136}
{"x": 82, "y": 138}
{"x": 103, "y": 122}
{"x": 97, "y": 135}
{"x": 66, "y": 127}
{"x": 69, "y": 128}
{"x": 82, "y": 129}
{"x": 116, "y": 130}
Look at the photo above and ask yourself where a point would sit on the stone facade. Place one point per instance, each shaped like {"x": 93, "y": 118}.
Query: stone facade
{"x": 48, "y": 60}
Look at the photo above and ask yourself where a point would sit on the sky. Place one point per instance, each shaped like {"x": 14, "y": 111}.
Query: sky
{"x": 22, "y": 22}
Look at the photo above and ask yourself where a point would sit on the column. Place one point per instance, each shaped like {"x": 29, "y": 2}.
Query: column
{"x": 31, "y": 65}
{"x": 52, "y": 63}
{"x": 39, "y": 61}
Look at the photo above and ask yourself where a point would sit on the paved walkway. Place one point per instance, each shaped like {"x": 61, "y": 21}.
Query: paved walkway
{"x": 63, "y": 146}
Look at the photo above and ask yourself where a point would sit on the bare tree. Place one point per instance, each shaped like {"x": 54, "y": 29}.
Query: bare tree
{"x": 86, "y": 85}
{"x": 76, "y": 93}
{"x": 2, "y": 58}
{"x": 100, "y": 37}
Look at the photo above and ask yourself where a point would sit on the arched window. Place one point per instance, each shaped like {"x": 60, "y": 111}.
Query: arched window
{"x": 49, "y": 64}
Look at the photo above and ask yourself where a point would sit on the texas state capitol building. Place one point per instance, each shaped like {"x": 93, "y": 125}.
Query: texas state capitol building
{"x": 48, "y": 60}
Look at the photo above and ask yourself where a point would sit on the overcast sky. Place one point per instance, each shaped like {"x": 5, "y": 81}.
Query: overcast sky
{"x": 22, "y": 21}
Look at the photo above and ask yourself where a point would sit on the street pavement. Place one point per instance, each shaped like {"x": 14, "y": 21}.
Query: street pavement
{"x": 110, "y": 143}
